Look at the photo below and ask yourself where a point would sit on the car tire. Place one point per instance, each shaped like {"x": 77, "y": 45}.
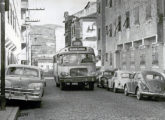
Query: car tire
{"x": 114, "y": 89}
{"x": 108, "y": 87}
{"x": 98, "y": 85}
{"x": 139, "y": 96}
{"x": 62, "y": 85}
{"x": 57, "y": 85}
{"x": 126, "y": 91}
{"x": 38, "y": 104}
{"x": 91, "y": 86}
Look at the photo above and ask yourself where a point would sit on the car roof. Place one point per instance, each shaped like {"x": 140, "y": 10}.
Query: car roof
{"x": 25, "y": 66}
{"x": 123, "y": 71}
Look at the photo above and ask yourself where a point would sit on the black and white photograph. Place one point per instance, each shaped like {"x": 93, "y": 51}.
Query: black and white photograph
{"x": 82, "y": 60}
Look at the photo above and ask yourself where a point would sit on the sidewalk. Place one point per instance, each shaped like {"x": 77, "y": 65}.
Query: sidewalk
{"x": 9, "y": 114}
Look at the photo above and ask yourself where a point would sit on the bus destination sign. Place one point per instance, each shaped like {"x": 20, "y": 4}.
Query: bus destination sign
{"x": 77, "y": 49}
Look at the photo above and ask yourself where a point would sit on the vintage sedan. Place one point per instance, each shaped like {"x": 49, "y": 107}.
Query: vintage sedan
{"x": 146, "y": 83}
{"x": 24, "y": 82}
{"x": 103, "y": 77}
{"x": 118, "y": 81}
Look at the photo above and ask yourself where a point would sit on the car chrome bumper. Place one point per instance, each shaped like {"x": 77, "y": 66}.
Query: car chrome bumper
{"x": 153, "y": 94}
{"x": 27, "y": 96}
{"x": 78, "y": 79}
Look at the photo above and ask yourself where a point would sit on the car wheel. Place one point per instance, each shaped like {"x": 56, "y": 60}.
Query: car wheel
{"x": 126, "y": 91}
{"x": 98, "y": 85}
{"x": 91, "y": 86}
{"x": 62, "y": 85}
{"x": 114, "y": 89}
{"x": 43, "y": 93}
{"x": 57, "y": 85}
{"x": 38, "y": 104}
{"x": 138, "y": 94}
{"x": 108, "y": 86}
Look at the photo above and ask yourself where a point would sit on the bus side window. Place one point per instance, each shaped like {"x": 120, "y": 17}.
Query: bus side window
{"x": 59, "y": 59}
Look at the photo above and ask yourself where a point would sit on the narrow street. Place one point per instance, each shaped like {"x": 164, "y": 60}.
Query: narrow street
{"x": 100, "y": 104}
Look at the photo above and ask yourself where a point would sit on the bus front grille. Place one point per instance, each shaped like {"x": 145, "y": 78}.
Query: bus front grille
{"x": 78, "y": 72}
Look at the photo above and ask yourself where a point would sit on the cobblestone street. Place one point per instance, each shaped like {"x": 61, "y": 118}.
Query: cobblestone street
{"x": 99, "y": 104}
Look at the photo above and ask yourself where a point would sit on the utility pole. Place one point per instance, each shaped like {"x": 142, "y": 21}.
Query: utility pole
{"x": 2, "y": 11}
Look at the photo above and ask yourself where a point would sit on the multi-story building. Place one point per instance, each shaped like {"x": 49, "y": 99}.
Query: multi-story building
{"x": 42, "y": 46}
{"x": 82, "y": 26}
{"x": 13, "y": 36}
{"x": 25, "y": 27}
{"x": 68, "y": 23}
{"x": 131, "y": 34}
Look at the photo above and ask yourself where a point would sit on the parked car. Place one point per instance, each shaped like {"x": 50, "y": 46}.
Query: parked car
{"x": 103, "y": 77}
{"x": 24, "y": 82}
{"x": 118, "y": 81}
{"x": 146, "y": 83}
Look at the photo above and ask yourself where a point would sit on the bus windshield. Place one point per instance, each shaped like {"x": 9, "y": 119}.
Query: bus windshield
{"x": 70, "y": 59}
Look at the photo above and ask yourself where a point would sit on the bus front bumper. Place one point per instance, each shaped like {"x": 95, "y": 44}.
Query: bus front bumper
{"x": 78, "y": 79}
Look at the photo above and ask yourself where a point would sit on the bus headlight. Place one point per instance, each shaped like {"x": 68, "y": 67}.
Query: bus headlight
{"x": 64, "y": 74}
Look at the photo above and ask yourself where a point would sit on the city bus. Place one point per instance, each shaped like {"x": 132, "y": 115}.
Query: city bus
{"x": 75, "y": 65}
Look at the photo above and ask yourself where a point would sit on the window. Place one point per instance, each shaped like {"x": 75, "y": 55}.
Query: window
{"x": 136, "y": 15}
{"x": 30, "y": 72}
{"x": 142, "y": 59}
{"x": 98, "y": 8}
{"x": 124, "y": 59}
{"x": 11, "y": 16}
{"x": 106, "y": 30}
{"x": 13, "y": 19}
{"x": 110, "y": 3}
{"x": 106, "y": 2}
{"x": 115, "y": 28}
{"x": 127, "y": 20}
{"x": 155, "y": 60}
{"x": 110, "y": 59}
{"x": 115, "y": 2}
{"x": 119, "y": 2}
{"x": 148, "y": 10}
{"x": 15, "y": 71}
{"x": 119, "y": 23}
{"x": 106, "y": 56}
{"x": 139, "y": 76}
{"x": 110, "y": 30}
{"x": 99, "y": 34}
{"x": 115, "y": 74}
{"x": 132, "y": 58}
{"x": 8, "y": 16}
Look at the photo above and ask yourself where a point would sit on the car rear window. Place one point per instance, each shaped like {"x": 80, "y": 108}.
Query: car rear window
{"x": 108, "y": 73}
{"x": 154, "y": 77}
{"x": 125, "y": 75}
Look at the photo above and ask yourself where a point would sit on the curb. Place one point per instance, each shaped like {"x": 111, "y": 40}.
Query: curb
{"x": 14, "y": 114}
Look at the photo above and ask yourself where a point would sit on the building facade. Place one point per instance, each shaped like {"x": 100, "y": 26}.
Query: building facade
{"x": 132, "y": 34}
{"x": 13, "y": 35}
{"x": 83, "y": 26}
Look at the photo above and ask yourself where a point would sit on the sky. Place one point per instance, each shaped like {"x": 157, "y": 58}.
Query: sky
{"x": 54, "y": 10}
